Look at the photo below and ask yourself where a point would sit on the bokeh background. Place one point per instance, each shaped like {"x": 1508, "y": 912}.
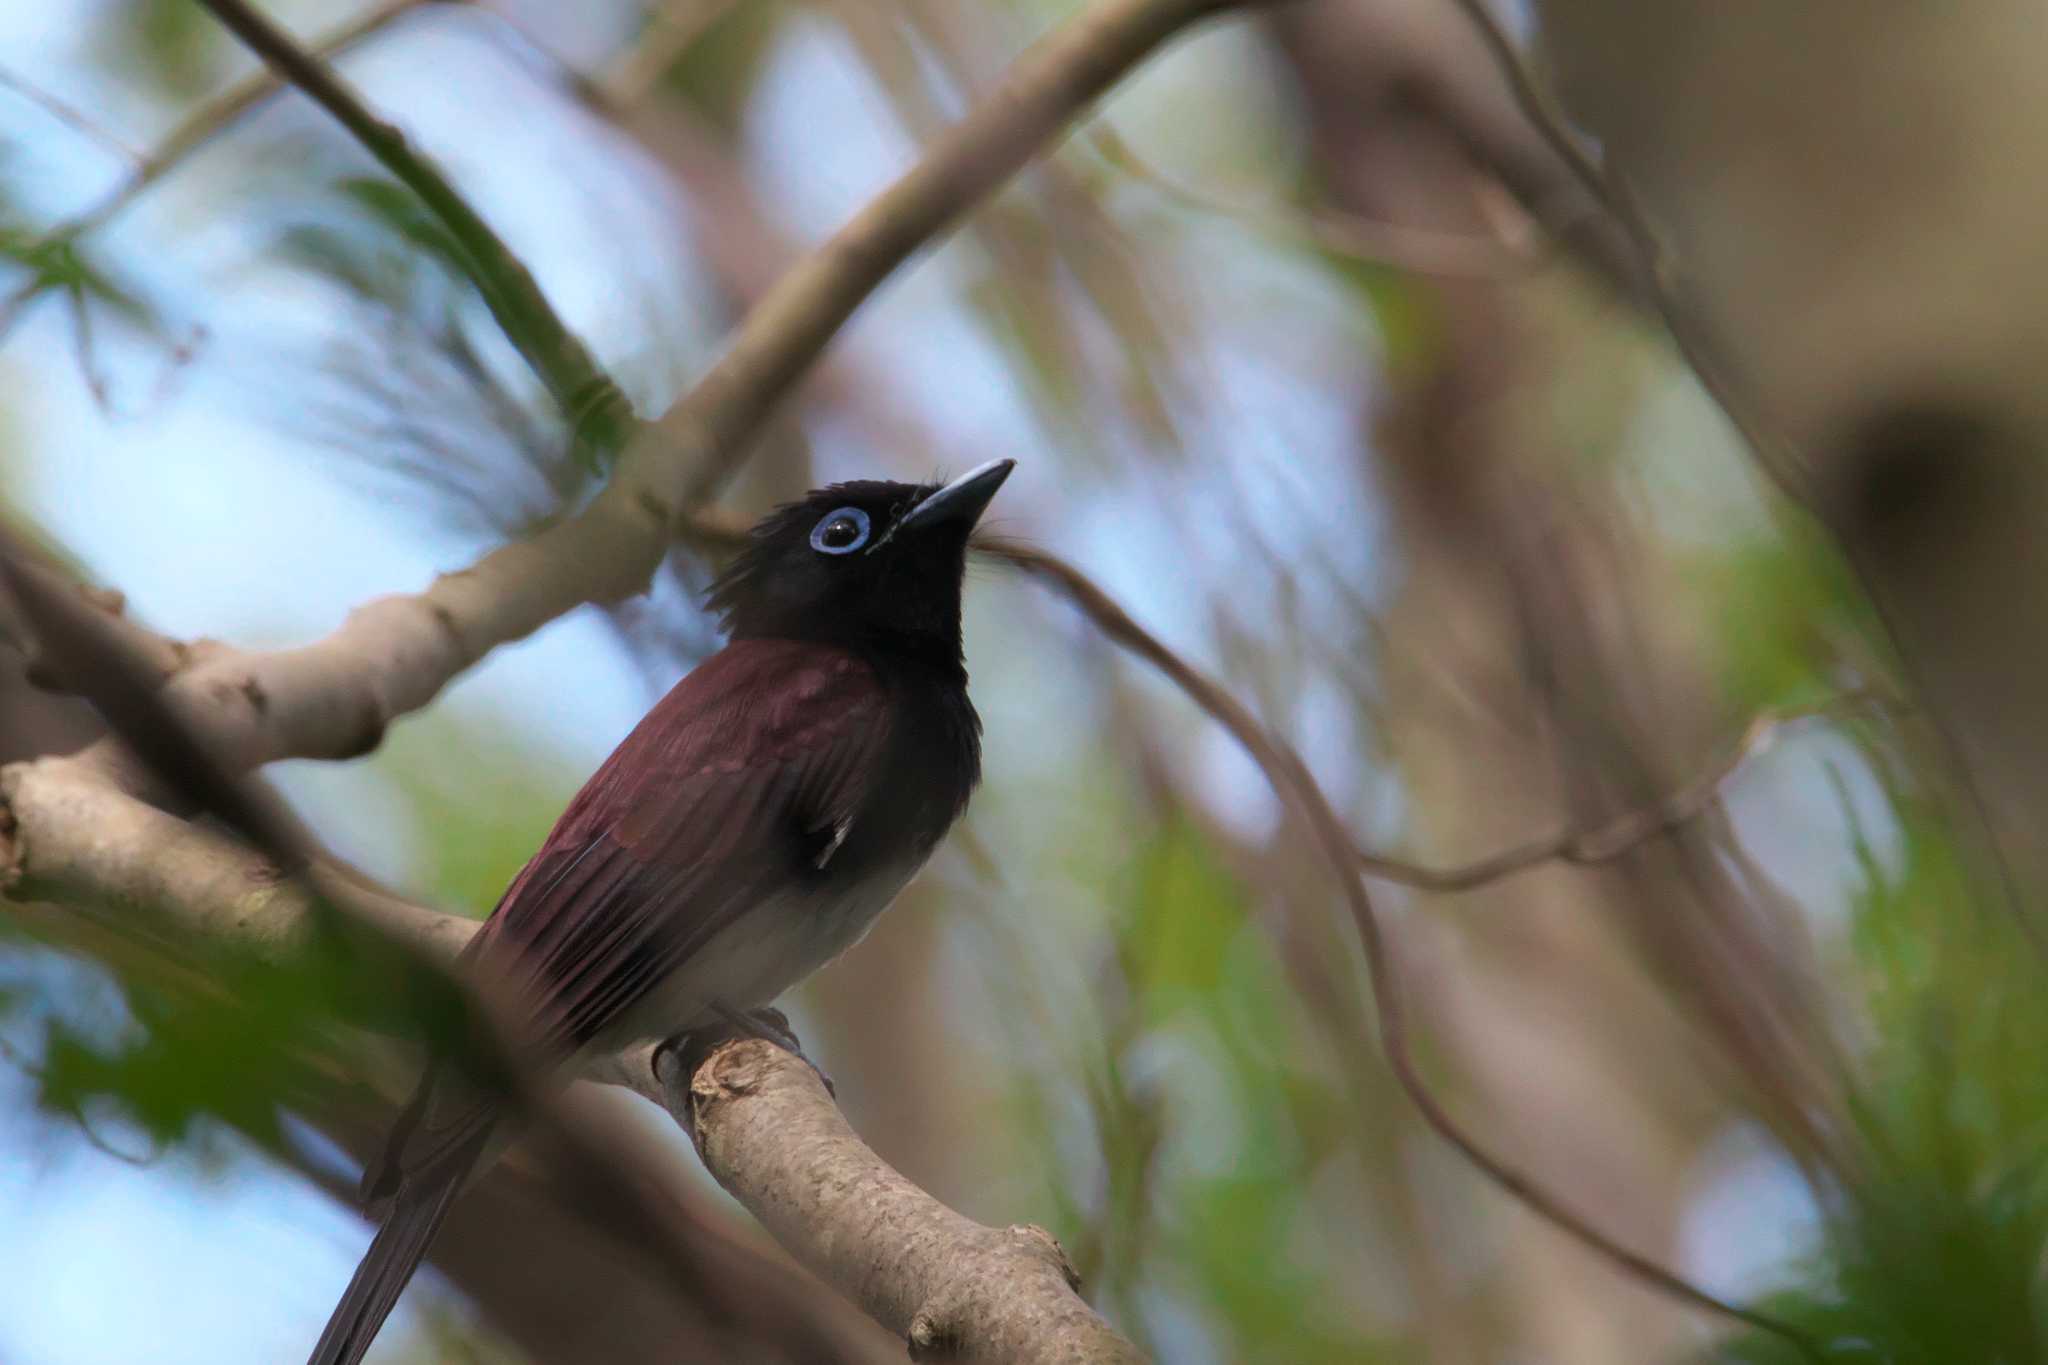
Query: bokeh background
{"x": 1289, "y": 371}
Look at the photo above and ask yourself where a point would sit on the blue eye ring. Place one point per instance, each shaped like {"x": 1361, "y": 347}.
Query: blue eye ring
{"x": 828, "y": 536}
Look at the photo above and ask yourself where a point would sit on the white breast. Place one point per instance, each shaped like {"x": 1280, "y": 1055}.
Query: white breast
{"x": 768, "y": 949}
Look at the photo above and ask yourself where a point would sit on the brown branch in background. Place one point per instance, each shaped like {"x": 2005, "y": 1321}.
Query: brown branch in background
{"x": 1296, "y": 785}
{"x": 598, "y": 416}
{"x": 194, "y": 131}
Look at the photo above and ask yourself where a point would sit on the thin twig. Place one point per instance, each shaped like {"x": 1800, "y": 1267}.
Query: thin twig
{"x": 1419, "y": 250}
{"x": 596, "y": 411}
{"x": 1606, "y": 842}
{"x": 1295, "y": 784}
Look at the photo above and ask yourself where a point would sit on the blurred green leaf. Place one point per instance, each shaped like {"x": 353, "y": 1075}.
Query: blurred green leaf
{"x": 1783, "y": 605}
{"x": 1185, "y": 912}
{"x": 1242, "y": 1227}
{"x": 1403, "y": 313}
{"x": 489, "y": 809}
{"x": 236, "y": 1053}
{"x": 58, "y": 263}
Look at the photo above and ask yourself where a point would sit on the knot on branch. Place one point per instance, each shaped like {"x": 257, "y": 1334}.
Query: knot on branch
{"x": 731, "y": 1069}
{"x": 701, "y": 1072}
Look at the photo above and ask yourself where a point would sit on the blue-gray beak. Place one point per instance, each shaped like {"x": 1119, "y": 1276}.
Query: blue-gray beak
{"x": 962, "y": 500}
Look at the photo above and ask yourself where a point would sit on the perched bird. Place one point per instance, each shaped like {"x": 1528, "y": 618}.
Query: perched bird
{"x": 747, "y": 831}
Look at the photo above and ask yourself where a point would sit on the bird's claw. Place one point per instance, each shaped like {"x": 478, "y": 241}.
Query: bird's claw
{"x": 768, "y": 1024}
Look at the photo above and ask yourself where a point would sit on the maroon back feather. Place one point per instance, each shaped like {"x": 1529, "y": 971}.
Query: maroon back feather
{"x": 721, "y": 796}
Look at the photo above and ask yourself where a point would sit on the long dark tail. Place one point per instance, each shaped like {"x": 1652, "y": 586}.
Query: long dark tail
{"x": 418, "y": 1207}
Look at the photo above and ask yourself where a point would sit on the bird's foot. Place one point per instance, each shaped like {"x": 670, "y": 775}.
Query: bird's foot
{"x": 768, "y": 1024}
{"x": 772, "y": 1025}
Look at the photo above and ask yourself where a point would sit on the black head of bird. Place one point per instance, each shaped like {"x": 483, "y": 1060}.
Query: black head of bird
{"x": 870, "y": 564}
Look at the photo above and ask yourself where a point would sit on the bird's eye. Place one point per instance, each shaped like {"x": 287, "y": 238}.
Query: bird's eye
{"x": 841, "y": 532}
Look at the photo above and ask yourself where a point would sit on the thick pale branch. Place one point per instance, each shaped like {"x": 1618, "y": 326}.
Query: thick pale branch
{"x": 333, "y": 698}
{"x": 73, "y": 838}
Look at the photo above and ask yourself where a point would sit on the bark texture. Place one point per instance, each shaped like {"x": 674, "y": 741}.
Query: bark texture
{"x": 953, "y": 1288}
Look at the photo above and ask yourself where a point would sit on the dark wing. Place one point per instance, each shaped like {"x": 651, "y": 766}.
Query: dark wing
{"x": 732, "y": 789}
